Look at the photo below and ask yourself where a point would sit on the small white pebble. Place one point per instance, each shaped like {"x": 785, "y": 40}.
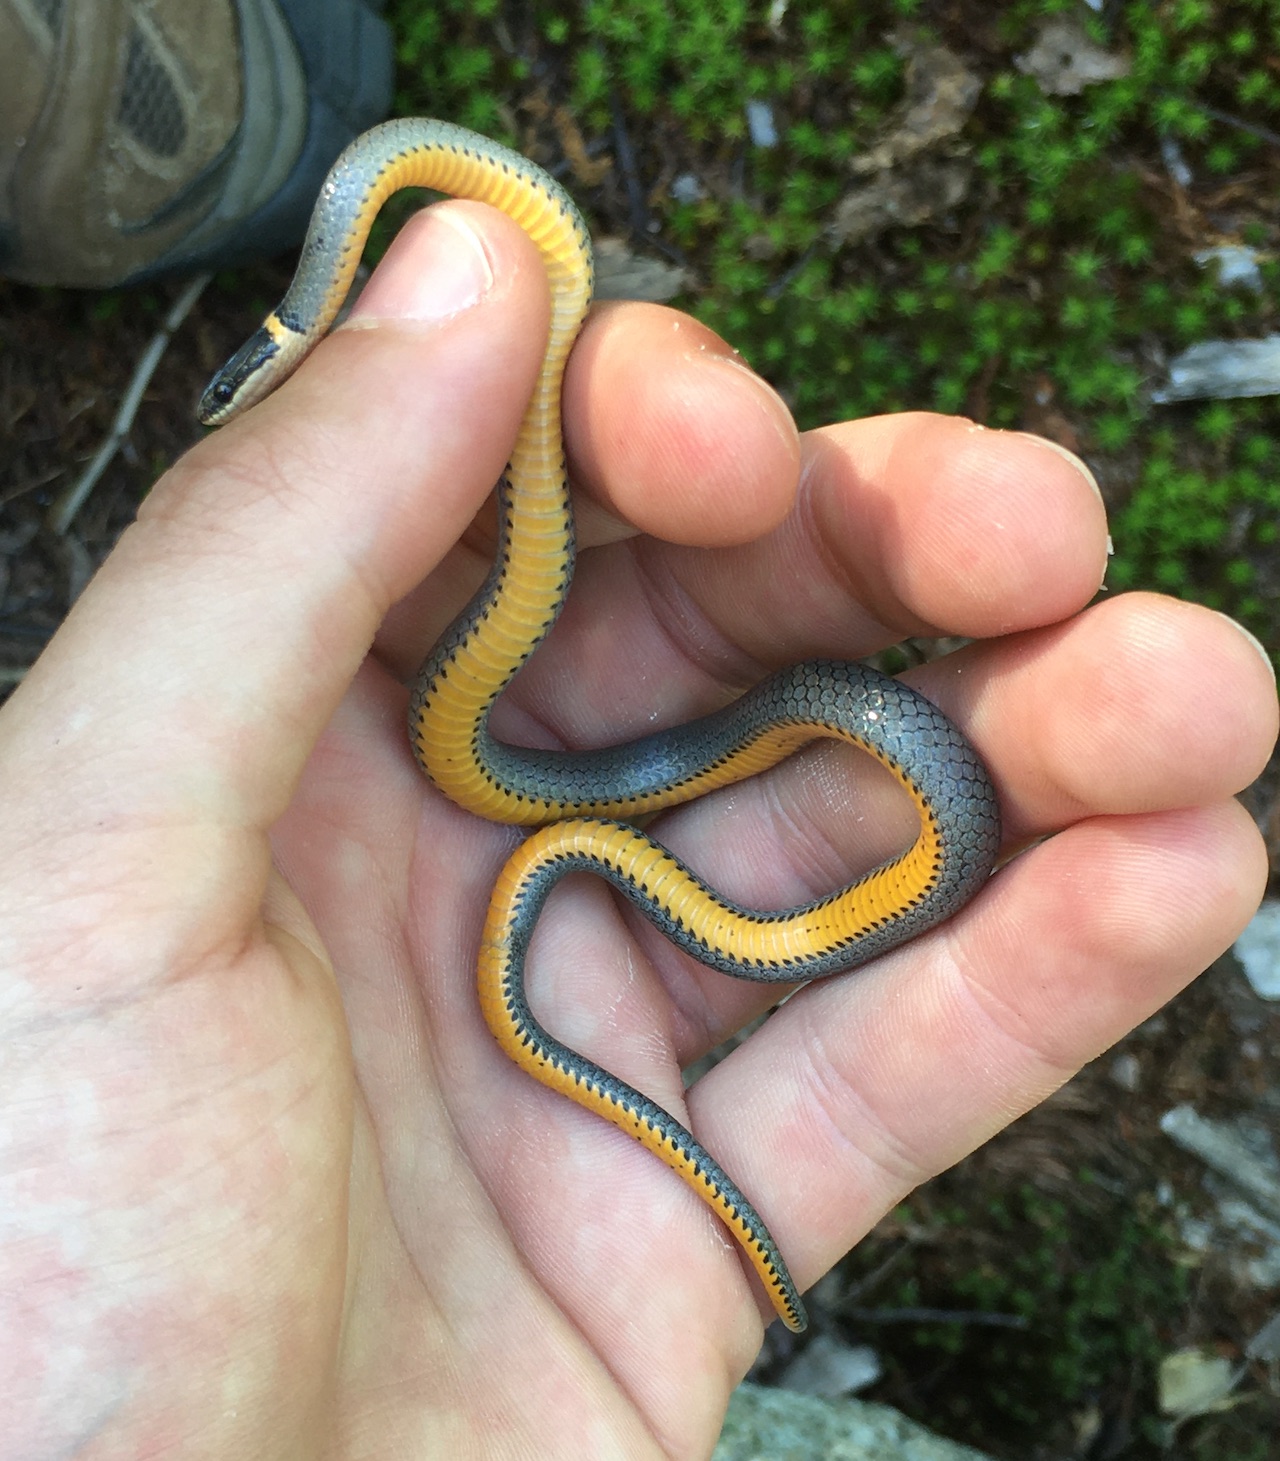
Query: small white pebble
{"x": 1126, "y": 1071}
{"x": 760, "y": 123}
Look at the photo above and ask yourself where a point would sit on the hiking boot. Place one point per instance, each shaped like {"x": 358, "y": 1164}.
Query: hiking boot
{"x": 149, "y": 137}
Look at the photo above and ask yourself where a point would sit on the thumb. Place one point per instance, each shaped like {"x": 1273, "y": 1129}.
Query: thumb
{"x": 183, "y": 694}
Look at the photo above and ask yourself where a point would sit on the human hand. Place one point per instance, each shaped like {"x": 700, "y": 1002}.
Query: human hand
{"x": 270, "y": 1189}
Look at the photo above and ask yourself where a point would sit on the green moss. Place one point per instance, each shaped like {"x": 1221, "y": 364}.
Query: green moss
{"x": 1088, "y": 1293}
{"x": 1059, "y": 264}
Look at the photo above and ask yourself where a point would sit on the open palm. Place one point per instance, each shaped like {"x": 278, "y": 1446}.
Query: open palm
{"x": 269, "y": 1187}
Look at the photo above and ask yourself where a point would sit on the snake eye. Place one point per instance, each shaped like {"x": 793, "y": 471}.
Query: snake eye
{"x": 242, "y": 381}
{"x": 217, "y": 400}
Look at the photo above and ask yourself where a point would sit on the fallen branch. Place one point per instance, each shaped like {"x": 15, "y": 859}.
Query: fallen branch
{"x": 69, "y": 502}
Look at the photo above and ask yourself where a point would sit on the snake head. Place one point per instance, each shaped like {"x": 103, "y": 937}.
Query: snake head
{"x": 254, "y": 371}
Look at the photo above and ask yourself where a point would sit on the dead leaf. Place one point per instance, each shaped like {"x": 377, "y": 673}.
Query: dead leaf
{"x": 623, "y": 274}
{"x": 900, "y": 198}
{"x": 941, "y": 92}
{"x": 1064, "y": 60}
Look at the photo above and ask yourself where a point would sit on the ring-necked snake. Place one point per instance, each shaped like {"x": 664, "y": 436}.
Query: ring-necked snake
{"x": 583, "y": 802}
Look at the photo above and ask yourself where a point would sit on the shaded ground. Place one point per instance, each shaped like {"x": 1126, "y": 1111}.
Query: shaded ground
{"x": 1070, "y": 1223}
{"x": 66, "y": 359}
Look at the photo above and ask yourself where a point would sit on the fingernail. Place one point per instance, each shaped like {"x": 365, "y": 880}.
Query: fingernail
{"x": 433, "y": 272}
{"x": 772, "y": 405}
{"x": 1067, "y": 456}
{"x": 1253, "y": 640}
{"x": 736, "y": 363}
